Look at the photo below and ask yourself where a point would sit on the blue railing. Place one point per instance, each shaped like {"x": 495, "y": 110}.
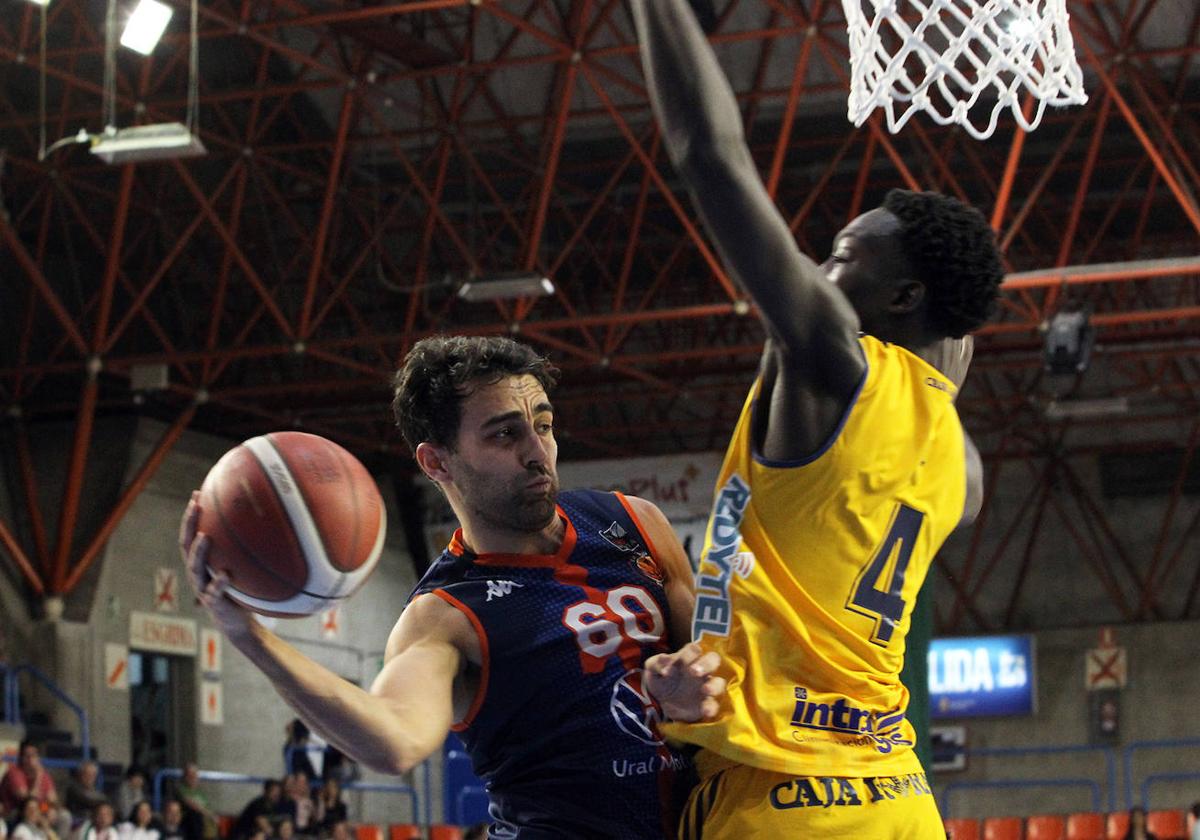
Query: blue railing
{"x": 12, "y": 700}
{"x": 1089, "y": 784}
{"x": 1164, "y": 777}
{"x": 1110, "y": 761}
{"x": 1138, "y": 746}
{"x": 62, "y": 764}
{"x": 245, "y": 779}
{"x": 426, "y": 782}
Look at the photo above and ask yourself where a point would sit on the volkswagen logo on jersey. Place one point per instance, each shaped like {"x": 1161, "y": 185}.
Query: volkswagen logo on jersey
{"x": 634, "y": 710}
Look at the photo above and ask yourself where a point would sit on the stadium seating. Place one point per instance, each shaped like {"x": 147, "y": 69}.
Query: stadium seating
{"x": 1118, "y": 824}
{"x": 445, "y": 832}
{"x": 1045, "y": 827}
{"x": 404, "y": 831}
{"x": 1002, "y": 828}
{"x": 1167, "y": 825}
{"x": 962, "y": 829}
{"x": 1086, "y": 825}
{"x": 368, "y": 832}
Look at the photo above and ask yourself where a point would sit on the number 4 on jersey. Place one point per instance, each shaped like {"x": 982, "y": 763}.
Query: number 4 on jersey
{"x": 876, "y": 592}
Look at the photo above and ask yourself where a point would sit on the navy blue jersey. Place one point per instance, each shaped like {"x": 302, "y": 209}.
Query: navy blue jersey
{"x": 560, "y": 729}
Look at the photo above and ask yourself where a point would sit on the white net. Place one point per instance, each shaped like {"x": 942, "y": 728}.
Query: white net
{"x": 961, "y": 61}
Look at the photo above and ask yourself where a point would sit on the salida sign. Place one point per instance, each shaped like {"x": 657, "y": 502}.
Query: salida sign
{"x": 162, "y": 634}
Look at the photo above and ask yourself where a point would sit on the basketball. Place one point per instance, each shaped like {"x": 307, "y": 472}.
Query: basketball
{"x": 295, "y": 521}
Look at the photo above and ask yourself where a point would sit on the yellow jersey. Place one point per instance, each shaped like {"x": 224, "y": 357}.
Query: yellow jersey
{"x": 809, "y": 574}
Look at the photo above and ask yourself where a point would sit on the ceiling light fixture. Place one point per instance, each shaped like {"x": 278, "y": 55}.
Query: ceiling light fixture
{"x": 506, "y": 285}
{"x": 1086, "y": 408}
{"x": 146, "y": 26}
{"x": 142, "y": 143}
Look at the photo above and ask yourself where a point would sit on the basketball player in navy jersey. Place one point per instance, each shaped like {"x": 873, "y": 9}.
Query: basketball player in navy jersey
{"x": 528, "y": 635}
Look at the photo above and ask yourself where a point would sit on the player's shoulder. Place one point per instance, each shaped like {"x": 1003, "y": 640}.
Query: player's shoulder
{"x": 647, "y": 513}
{"x": 430, "y": 617}
{"x": 450, "y": 567}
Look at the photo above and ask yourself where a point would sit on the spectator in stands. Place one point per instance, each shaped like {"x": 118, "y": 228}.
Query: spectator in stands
{"x": 101, "y": 825}
{"x": 29, "y": 778}
{"x": 140, "y": 825}
{"x": 286, "y": 830}
{"x": 295, "y": 749}
{"x": 337, "y": 765}
{"x": 33, "y": 823}
{"x": 297, "y": 804}
{"x": 1193, "y": 821}
{"x": 82, "y": 796}
{"x": 257, "y": 814}
{"x": 1137, "y": 825}
{"x": 341, "y": 831}
{"x": 199, "y": 819}
{"x": 171, "y": 825}
{"x": 132, "y": 790}
{"x": 476, "y": 832}
{"x": 331, "y": 809}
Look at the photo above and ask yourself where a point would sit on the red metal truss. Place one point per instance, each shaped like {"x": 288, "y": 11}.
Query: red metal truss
{"x": 365, "y": 160}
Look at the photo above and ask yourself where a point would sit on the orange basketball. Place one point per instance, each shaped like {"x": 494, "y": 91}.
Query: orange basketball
{"x": 294, "y": 520}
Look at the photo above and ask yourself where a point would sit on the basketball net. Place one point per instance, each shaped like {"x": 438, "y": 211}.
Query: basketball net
{"x": 961, "y": 61}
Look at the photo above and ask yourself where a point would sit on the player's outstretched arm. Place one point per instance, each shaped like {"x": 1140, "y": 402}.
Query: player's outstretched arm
{"x": 393, "y": 727}
{"x": 702, "y": 132}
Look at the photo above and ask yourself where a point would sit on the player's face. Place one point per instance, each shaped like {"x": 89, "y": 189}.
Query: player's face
{"x": 867, "y": 264}
{"x": 505, "y": 463}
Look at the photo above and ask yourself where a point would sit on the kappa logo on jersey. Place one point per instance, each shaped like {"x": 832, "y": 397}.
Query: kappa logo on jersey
{"x": 618, "y": 537}
{"x": 634, "y": 710}
{"x": 500, "y": 588}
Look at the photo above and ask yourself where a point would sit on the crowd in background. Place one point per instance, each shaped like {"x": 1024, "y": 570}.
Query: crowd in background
{"x": 297, "y": 806}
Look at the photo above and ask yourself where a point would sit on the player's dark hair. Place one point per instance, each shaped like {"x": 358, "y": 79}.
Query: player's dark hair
{"x": 953, "y": 250}
{"x": 439, "y": 373}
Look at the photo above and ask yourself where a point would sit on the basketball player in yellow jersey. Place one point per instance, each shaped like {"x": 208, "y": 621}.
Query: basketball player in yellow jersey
{"x": 846, "y": 472}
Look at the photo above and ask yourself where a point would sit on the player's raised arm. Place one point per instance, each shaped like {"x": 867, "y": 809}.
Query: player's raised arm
{"x": 393, "y": 727}
{"x": 702, "y": 132}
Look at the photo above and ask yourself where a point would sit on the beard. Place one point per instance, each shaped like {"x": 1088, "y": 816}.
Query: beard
{"x": 509, "y": 504}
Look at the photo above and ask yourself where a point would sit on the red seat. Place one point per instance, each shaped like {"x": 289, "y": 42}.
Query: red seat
{"x": 1086, "y": 825}
{"x": 1167, "y": 825}
{"x": 1002, "y": 828}
{"x": 1045, "y": 827}
{"x": 445, "y": 832}
{"x": 1118, "y": 824}
{"x": 225, "y": 824}
{"x": 962, "y": 829}
{"x": 403, "y": 831}
{"x": 368, "y": 832}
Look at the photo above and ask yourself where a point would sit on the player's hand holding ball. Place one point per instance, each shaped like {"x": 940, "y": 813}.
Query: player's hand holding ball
{"x": 287, "y": 524}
